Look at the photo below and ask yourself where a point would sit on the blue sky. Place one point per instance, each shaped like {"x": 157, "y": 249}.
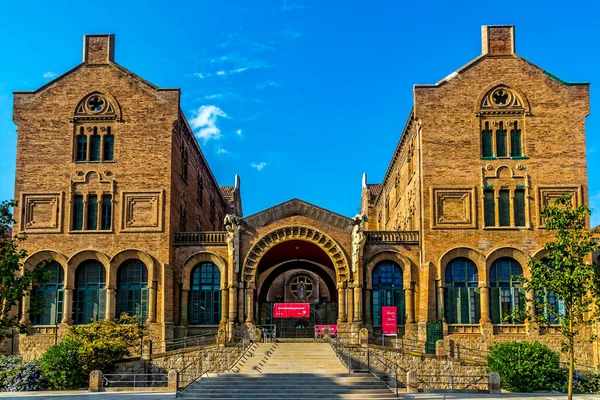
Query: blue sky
{"x": 286, "y": 93}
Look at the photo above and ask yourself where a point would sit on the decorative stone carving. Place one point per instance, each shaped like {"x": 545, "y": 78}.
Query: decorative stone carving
{"x": 453, "y": 207}
{"x": 547, "y": 195}
{"x": 358, "y": 239}
{"x": 298, "y": 207}
{"x": 142, "y": 212}
{"x": 42, "y": 213}
{"x": 232, "y": 226}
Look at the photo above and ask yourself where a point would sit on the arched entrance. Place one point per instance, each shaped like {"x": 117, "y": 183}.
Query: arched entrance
{"x": 291, "y": 274}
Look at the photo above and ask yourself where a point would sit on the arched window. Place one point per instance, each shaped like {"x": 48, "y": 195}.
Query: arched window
{"x": 95, "y": 146}
{"x": 132, "y": 289}
{"x": 81, "y": 150}
{"x": 388, "y": 290}
{"x": 461, "y": 302}
{"x": 52, "y": 293}
{"x": 109, "y": 144}
{"x": 89, "y": 300}
{"x": 205, "y": 296}
{"x": 553, "y": 308}
{"x": 506, "y": 292}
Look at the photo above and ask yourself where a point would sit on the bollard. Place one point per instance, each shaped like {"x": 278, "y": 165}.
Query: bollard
{"x": 173, "y": 380}
{"x": 412, "y": 385}
{"x": 494, "y": 382}
{"x": 96, "y": 381}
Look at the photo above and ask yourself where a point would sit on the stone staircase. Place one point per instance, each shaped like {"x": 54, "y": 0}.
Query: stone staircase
{"x": 289, "y": 371}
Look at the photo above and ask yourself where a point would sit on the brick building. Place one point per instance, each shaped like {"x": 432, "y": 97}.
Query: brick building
{"x": 455, "y": 217}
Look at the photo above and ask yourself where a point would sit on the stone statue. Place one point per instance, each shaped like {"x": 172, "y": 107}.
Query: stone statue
{"x": 358, "y": 239}
{"x": 232, "y": 226}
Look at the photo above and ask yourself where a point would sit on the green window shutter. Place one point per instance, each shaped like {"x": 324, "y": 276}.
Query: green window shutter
{"x": 106, "y": 212}
{"x": 489, "y": 208}
{"x": 464, "y": 311}
{"x": 519, "y": 207}
{"x": 504, "y": 208}
{"x": 92, "y": 212}
{"x": 487, "y": 149}
{"x": 515, "y": 141}
{"x": 501, "y": 150}
{"x": 476, "y": 303}
{"x": 400, "y": 306}
{"x": 452, "y": 305}
{"x": 495, "y": 305}
{"x": 95, "y": 147}
{"x": 78, "y": 213}
{"x": 109, "y": 146}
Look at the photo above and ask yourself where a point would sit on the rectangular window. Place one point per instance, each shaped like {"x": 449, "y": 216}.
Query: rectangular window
{"x": 81, "y": 147}
{"x": 487, "y": 148}
{"x": 92, "y": 212}
{"x": 501, "y": 150}
{"x": 504, "y": 208}
{"x": 109, "y": 145}
{"x": 489, "y": 207}
{"x": 519, "y": 207}
{"x": 106, "y": 212}
{"x": 95, "y": 146}
{"x": 515, "y": 141}
{"x": 78, "y": 213}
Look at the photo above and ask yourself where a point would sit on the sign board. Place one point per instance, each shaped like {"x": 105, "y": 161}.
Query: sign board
{"x": 389, "y": 320}
{"x": 319, "y": 330}
{"x": 291, "y": 310}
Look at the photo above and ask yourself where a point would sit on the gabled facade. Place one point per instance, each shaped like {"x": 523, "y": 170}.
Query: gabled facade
{"x": 455, "y": 217}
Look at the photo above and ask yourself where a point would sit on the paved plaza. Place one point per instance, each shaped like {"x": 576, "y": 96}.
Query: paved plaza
{"x": 84, "y": 395}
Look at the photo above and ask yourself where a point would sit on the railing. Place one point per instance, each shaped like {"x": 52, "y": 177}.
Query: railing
{"x": 453, "y": 383}
{"x": 363, "y": 359}
{"x": 392, "y": 237}
{"x": 268, "y": 333}
{"x": 191, "y": 238}
{"x": 187, "y": 376}
{"x": 135, "y": 380}
{"x": 190, "y": 341}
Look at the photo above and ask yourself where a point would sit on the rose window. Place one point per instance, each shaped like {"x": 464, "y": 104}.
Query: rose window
{"x": 96, "y": 103}
{"x": 302, "y": 287}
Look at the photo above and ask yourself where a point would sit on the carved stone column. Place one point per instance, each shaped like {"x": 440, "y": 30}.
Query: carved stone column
{"x": 341, "y": 304}
{"x": 440, "y": 290}
{"x": 250, "y": 305}
{"x": 409, "y": 295}
{"x": 240, "y": 304}
{"x": 529, "y": 295}
{"x": 152, "y": 304}
{"x": 368, "y": 307}
{"x": 111, "y": 295}
{"x": 350, "y": 302}
{"x": 224, "y": 305}
{"x": 358, "y": 304}
{"x": 232, "y": 302}
{"x": 484, "y": 300}
{"x": 26, "y": 304}
{"x": 68, "y": 307}
{"x": 183, "y": 316}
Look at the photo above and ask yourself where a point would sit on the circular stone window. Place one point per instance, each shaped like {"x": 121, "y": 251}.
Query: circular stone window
{"x": 501, "y": 97}
{"x": 95, "y": 103}
{"x": 302, "y": 286}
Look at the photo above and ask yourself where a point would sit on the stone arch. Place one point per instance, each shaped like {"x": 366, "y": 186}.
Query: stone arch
{"x": 261, "y": 281}
{"x": 389, "y": 255}
{"x": 80, "y": 257}
{"x": 539, "y": 253}
{"x": 43, "y": 255}
{"x": 487, "y": 89}
{"x": 286, "y": 233}
{"x": 112, "y": 109}
{"x": 510, "y": 252}
{"x": 462, "y": 252}
{"x": 203, "y": 256}
{"x": 129, "y": 254}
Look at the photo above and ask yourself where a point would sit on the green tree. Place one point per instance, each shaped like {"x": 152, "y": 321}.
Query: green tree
{"x": 566, "y": 273}
{"x": 14, "y": 281}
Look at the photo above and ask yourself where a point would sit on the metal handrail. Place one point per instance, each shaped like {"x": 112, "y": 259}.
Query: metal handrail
{"x": 269, "y": 331}
{"x": 145, "y": 381}
{"x": 190, "y": 341}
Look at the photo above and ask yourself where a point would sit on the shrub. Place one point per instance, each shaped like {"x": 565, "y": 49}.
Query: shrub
{"x": 61, "y": 365}
{"x": 583, "y": 382}
{"x": 17, "y": 375}
{"x": 524, "y": 366}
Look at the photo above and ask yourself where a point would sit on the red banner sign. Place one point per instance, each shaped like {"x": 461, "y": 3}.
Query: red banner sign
{"x": 389, "y": 320}
{"x": 291, "y": 310}
{"x": 319, "y": 329}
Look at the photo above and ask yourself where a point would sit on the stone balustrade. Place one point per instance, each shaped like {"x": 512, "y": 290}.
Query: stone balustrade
{"x": 392, "y": 237}
{"x": 194, "y": 238}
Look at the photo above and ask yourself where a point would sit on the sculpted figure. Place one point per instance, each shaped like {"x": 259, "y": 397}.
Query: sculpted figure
{"x": 232, "y": 226}
{"x": 358, "y": 239}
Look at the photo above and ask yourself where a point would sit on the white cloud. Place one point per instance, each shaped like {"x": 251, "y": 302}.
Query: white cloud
{"x": 49, "y": 75}
{"x": 200, "y": 75}
{"x": 267, "y": 84}
{"x": 221, "y": 73}
{"x": 221, "y": 150}
{"x": 239, "y": 132}
{"x": 204, "y": 122}
{"x": 259, "y": 166}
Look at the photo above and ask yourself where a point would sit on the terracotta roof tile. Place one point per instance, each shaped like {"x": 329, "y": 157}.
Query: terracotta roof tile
{"x": 227, "y": 192}
{"x": 374, "y": 190}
